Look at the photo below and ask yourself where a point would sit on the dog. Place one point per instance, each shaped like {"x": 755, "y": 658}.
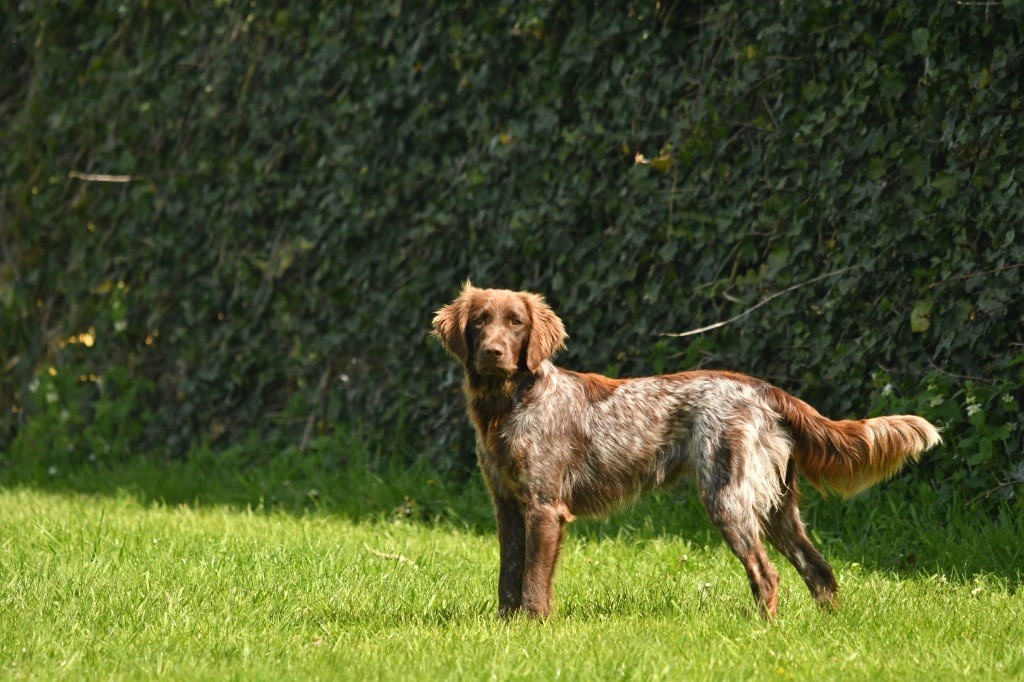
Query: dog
{"x": 555, "y": 444}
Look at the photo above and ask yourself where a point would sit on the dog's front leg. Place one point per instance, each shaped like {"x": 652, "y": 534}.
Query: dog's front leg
{"x": 512, "y": 538}
{"x": 543, "y": 540}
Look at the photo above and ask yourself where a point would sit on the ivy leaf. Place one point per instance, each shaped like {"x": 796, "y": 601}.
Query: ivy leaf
{"x": 662, "y": 162}
{"x": 812, "y": 90}
{"x": 919, "y": 316}
{"x": 945, "y": 183}
{"x": 920, "y": 38}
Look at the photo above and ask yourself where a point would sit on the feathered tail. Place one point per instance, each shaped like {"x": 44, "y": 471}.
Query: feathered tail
{"x": 849, "y": 456}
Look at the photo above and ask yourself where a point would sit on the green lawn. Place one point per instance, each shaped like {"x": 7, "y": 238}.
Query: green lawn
{"x": 191, "y": 572}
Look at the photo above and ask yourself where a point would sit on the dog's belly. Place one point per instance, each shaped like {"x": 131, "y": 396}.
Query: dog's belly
{"x": 604, "y": 479}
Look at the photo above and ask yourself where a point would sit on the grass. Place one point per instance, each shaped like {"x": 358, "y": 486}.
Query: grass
{"x": 292, "y": 570}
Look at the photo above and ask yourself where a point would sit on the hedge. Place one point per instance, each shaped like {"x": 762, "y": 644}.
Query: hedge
{"x": 234, "y": 220}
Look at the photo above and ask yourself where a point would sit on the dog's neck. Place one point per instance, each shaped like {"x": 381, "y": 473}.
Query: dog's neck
{"x": 498, "y": 387}
{"x": 493, "y": 399}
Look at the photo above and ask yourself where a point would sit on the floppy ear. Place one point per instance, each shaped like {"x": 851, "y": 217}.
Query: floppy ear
{"x": 547, "y": 333}
{"x": 450, "y": 324}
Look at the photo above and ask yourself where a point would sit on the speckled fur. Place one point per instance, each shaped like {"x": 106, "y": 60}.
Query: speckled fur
{"x": 554, "y": 444}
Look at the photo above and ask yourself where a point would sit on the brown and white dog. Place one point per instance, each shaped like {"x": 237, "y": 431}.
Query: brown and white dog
{"x": 555, "y": 444}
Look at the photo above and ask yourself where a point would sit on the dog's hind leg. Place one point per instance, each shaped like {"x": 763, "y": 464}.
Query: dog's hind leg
{"x": 731, "y": 510}
{"x": 785, "y": 530}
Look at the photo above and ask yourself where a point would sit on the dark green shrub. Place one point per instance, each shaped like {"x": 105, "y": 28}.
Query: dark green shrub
{"x": 307, "y": 184}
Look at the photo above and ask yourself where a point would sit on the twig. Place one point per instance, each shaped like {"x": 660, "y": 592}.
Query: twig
{"x": 771, "y": 114}
{"x": 970, "y": 275}
{"x": 318, "y": 407}
{"x": 985, "y": 494}
{"x": 8, "y": 256}
{"x": 394, "y": 557}
{"x": 716, "y": 325}
{"x": 99, "y": 177}
{"x": 960, "y": 376}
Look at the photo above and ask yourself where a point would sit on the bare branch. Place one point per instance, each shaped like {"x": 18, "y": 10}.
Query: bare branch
{"x": 746, "y": 312}
{"x": 961, "y": 377}
{"x": 318, "y": 407}
{"x": 981, "y": 273}
{"x": 99, "y": 177}
{"x": 985, "y": 494}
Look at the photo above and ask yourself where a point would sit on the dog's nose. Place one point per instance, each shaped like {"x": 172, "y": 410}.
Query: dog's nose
{"x": 493, "y": 352}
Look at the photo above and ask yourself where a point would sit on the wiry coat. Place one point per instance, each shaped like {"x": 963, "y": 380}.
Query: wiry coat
{"x": 554, "y": 444}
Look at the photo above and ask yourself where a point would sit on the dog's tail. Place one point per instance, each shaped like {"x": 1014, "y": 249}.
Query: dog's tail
{"x": 848, "y": 456}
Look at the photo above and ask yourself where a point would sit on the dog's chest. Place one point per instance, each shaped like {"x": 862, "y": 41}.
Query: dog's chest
{"x": 503, "y": 464}
{"x": 499, "y": 459}
{"x": 521, "y": 445}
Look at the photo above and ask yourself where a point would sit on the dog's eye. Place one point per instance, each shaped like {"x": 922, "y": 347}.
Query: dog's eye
{"x": 514, "y": 321}
{"x": 479, "y": 321}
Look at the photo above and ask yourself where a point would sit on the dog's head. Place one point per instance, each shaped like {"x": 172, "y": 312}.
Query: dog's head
{"x": 499, "y": 332}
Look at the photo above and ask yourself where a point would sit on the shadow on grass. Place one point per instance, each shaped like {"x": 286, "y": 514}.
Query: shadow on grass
{"x": 892, "y": 529}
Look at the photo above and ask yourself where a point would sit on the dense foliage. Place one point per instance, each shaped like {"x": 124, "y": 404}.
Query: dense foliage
{"x": 302, "y": 185}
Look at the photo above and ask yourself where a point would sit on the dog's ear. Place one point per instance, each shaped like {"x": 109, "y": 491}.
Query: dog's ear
{"x": 450, "y": 324}
{"x": 547, "y": 333}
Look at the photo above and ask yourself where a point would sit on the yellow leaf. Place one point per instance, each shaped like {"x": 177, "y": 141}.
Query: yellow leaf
{"x": 662, "y": 162}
